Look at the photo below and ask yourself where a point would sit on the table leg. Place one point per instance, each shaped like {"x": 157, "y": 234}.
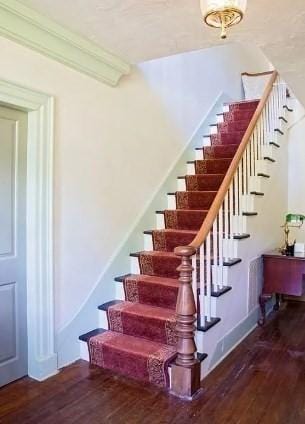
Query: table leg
{"x": 263, "y": 299}
{"x": 276, "y": 307}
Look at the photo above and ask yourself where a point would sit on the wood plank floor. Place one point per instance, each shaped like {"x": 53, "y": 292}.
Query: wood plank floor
{"x": 262, "y": 381}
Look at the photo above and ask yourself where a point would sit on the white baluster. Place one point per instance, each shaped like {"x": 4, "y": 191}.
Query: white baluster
{"x": 231, "y": 242}
{"x": 220, "y": 226}
{"x": 226, "y": 226}
{"x": 236, "y": 229}
{"x": 215, "y": 257}
{"x": 194, "y": 278}
{"x": 208, "y": 269}
{"x": 202, "y": 284}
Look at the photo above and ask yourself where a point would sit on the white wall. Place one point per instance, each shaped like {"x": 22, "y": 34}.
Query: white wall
{"x": 113, "y": 147}
{"x": 296, "y": 168}
{"x": 187, "y": 83}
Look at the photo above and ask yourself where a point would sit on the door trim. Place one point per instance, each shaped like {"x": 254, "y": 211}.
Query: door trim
{"x": 42, "y": 362}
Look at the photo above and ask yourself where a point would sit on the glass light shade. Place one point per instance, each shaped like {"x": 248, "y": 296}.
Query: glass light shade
{"x": 223, "y": 13}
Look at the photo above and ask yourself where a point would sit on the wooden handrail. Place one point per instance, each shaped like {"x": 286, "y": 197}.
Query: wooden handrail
{"x": 257, "y": 74}
{"x": 218, "y": 201}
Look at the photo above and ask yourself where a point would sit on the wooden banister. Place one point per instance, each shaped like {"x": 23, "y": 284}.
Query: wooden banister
{"x": 218, "y": 201}
{"x": 256, "y": 74}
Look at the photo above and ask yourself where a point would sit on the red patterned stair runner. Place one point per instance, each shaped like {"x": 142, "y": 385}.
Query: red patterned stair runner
{"x": 140, "y": 342}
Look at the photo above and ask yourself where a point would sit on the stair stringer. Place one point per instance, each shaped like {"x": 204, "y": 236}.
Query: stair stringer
{"x": 265, "y": 234}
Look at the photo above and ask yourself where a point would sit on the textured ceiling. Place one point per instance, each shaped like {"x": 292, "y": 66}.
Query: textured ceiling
{"x": 139, "y": 30}
{"x": 144, "y": 29}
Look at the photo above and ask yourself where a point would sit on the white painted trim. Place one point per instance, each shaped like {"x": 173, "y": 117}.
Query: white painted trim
{"x": 227, "y": 353}
{"x": 40, "y": 286}
{"x": 29, "y": 28}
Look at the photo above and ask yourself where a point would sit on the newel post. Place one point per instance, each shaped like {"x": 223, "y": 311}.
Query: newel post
{"x": 185, "y": 374}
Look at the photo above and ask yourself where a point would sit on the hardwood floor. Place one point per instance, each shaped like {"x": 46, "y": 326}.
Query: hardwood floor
{"x": 262, "y": 381}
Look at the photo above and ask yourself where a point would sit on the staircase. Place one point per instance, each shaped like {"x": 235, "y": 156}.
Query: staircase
{"x": 149, "y": 336}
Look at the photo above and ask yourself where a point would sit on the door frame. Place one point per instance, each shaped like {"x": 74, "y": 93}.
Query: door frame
{"x": 42, "y": 358}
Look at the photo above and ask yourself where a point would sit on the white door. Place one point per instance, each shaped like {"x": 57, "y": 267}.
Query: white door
{"x": 13, "y": 301}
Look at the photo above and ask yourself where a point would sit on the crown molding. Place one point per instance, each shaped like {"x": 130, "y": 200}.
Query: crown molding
{"x": 31, "y": 29}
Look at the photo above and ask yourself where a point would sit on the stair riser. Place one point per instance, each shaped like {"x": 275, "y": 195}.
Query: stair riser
{"x": 255, "y": 184}
{"x": 189, "y": 220}
{"x": 203, "y": 182}
{"x": 226, "y": 127}
{"x": 217, "y": 154}
{"x": 181, "y": 186}
{"x": 195, "y": 200}
{"x": 213, "y": 129}
{"x": 233, "y": 126}
{"x": 238, "y": 116}
{"x": 199, "y": 155}
{"x": 225, "y": 139}
{"x": 167, "y": 242}
{"x": 84, "y": 352}
{"x": 263, "y": 167}
{"x": 134, "y": 265}
{"x": 190, "y": 169}
{"x": 206, "y": 141}
{"x": 160, "y": 221}
{"x": 222, "y": 152}
{"x": 212, "y": 167}
{"x": 234, "y": 117}
{"x": 239, "y": 108}
{"x": 171, "y": 202}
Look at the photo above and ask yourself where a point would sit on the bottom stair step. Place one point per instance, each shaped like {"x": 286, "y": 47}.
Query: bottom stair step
{"x": 133, "y": 357}
{"x": 136, "y": 358}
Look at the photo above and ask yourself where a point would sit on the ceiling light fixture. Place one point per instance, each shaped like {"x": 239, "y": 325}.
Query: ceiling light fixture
{"x": 223, "y": 13}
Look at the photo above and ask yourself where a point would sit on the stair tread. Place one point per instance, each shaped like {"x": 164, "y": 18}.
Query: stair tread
{"x": 242, "y": 102}
{"x": 106, "y": 305}
{"x": 171, "y": 231}
{"x": 219, "y": 146}
{"x": 184, "y": 210}
{"x": 85, "y": 337}
{"x": 193, "y": 232}
{"x": 210, "y": 160}
{"x": 204, "y": 175}
{"x": 154, "y": 253}
{"x": 194, "y": 191}
{"x": 244, "y": 121}
{"x": 207, "y": 325}
{"x": 140, "y": 309}
{"x": 151, "y": 279}
{"x": 126, "y": 342}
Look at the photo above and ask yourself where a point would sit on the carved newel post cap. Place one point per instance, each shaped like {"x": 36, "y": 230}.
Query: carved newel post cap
{"x": 185, "y": 251}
